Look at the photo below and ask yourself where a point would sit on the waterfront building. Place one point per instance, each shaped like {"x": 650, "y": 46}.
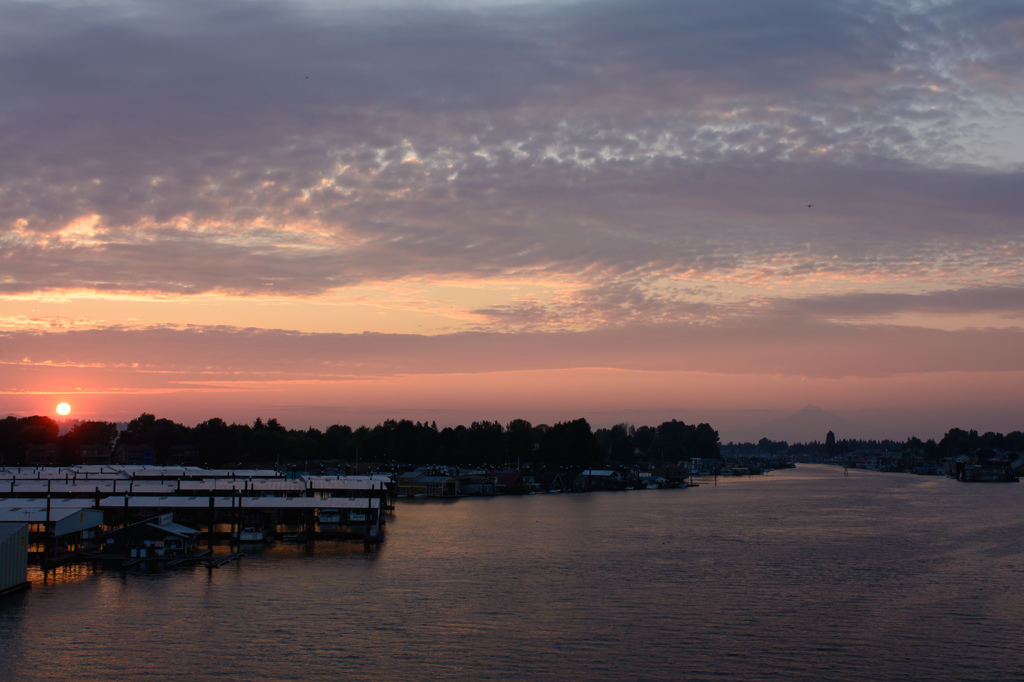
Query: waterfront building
{"x": 672, "y": 473}
{"x": 42, "y": 455}
{"x": 598, "y": 479}
{"x": 424, "y": 482}
{"x": 158, "y": 537}
{"x": 55, "y": 527}
{"x": 136, "y": 454}
{"x": 476, "y": 484}
{"x": 261, "y": 499}
{"x": 987, "y": 471}
{"x": 364, "y": 516}
{"x": 13, "y": 557}
{"x": 551, "y": 480}
{"x": 96, "y": 482}
{"x": 508, "y": 482}
{"x": 96, "y": 454}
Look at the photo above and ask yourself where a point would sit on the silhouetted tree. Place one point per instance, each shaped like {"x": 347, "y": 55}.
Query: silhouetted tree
{"x": 620, "y": 444}
{"x": 160, "y": 434}
{"x": 484, "y": 443}
{"x": 338, "y": 442}
{"x": 219, "y": 444}
{"x": 570, "y": 444}
{"x": 87, "y": 434}
{"x": 38, "y": 430}
{"x": 519, "y": 441}
{"x": 17, "y": 433}
{"x": 705, "y": 443}
{"x": 643, "y": 438}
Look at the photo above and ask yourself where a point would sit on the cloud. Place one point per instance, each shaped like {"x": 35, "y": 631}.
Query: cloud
{"x": 656, "y": 156}
{"x": 872, "y": 305}
{"x": 780, "y": 347}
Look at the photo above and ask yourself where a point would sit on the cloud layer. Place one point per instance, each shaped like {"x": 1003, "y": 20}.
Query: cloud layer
{"x": 649, "y": 165}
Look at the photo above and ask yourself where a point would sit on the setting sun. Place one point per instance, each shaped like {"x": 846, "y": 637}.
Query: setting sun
{"x": 63, "y": 409}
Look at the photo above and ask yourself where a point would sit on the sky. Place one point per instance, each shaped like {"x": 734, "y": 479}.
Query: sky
{"x": 343, "y": 212}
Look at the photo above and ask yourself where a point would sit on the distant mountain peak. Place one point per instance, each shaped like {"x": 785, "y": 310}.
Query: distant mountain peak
{"x": 808, "y": 423}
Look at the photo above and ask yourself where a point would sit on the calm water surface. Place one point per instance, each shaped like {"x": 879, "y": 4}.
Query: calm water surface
{"x": 802, "y": 574}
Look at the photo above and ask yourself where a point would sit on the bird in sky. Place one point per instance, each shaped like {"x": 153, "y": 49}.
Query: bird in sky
{"x": 809, "y": 205}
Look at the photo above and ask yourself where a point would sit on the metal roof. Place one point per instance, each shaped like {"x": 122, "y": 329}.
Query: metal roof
{"x": 176, "y": 528}
{"x": 226, "y": 484}
{"x": 240, "y": 473}
{"x": 431, "y": 479}
{"x": 105, "y": 487}
{"x": 125, "y": 471}
{"x": 40, "y": 503}
{"x": 136, "y": 502}
{"x": 9, "y": 528}
{"x": 56, "y": 514}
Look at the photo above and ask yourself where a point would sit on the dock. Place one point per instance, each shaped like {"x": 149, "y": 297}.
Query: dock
{"x": 225, "y": 559}
{"x": 201, "y": 556}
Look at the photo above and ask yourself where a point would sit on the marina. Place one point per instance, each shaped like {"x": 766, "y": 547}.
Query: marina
{"x": 67, "y": 509}
{"x": 512, "y": 340}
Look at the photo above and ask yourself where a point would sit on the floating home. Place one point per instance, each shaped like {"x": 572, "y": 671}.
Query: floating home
{"x": 155, "y": 538}
{"x": 599, "y": 479}
{"x": 427, "y": 482}
{"x": 993, "y": 471}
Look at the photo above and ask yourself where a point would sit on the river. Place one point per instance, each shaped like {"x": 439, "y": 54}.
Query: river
{"x": 798, "y": 574}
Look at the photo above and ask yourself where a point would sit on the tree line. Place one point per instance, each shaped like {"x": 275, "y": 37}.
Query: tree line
{"x": 18, "y": 434}
{"x": 216, "y": 443}
{"x": 955, "y": 442}
{"x": 574, "y": 443}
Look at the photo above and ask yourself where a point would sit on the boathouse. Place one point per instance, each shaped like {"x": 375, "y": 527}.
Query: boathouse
{"x": 598, "y": 479}
{"x": 421, "y": 482}
{"x": 551, "y": 481}
{"x": 506, "y": 482}
{"x": 672, "y": 473}
{"x": 199, "y": 497}
{"x": 13, "y": 557}
{"x": 55, "y": 527}
{"x": 157, "y": 537}
{"x": 476, "y": 484}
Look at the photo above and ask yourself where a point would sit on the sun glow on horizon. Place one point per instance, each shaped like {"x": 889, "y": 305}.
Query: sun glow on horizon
{"x": 63, "y": 409}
